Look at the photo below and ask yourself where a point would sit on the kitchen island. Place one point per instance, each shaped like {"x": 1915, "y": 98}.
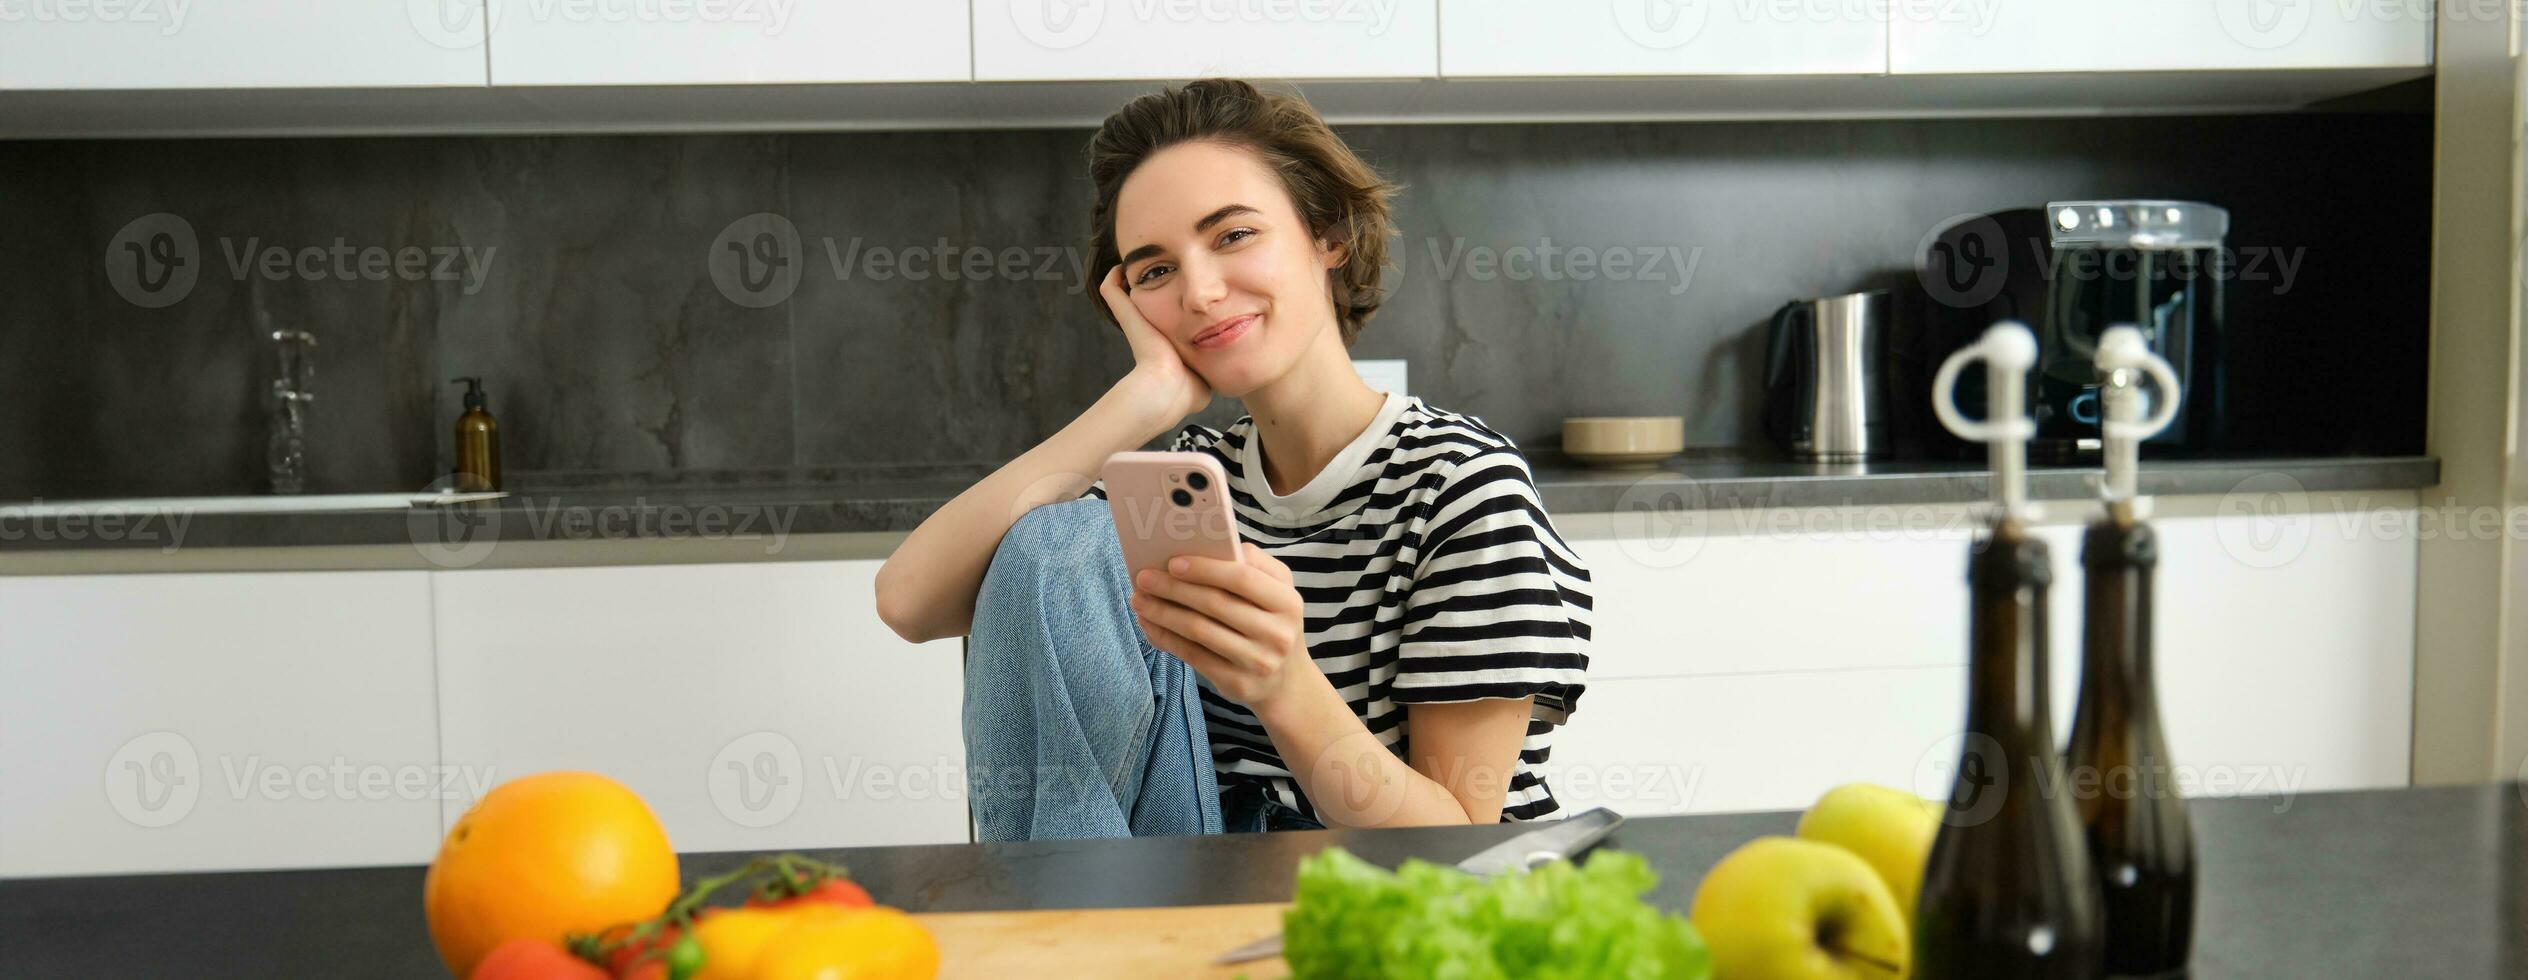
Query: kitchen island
{"x": 2418, "y": 883}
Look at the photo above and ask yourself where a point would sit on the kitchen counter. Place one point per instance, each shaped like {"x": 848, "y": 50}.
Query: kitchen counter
{"x": 2428, "y": 882}
{"x": 741, "y": 512}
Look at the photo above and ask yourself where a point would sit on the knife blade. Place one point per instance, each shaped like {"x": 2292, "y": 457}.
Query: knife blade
{"x": 1561, "y": 840}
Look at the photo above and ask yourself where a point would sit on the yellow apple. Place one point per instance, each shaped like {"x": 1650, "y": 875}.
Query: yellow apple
{"x": 1781, "y": 908}
{"x": 1889, "y": 828}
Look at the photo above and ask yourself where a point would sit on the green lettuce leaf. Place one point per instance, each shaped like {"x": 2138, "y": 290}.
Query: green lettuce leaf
{"x": 1357, "y": 921}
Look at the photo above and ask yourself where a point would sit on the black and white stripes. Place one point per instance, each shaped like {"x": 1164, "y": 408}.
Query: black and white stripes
{"x": 1430, "y": 573}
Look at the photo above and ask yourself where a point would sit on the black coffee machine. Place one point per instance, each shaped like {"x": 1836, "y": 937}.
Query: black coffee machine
{"x": 2069, "y": 271}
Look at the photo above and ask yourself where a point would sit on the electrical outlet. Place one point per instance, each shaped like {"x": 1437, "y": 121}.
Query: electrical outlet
{"x": 1385, "y": 375}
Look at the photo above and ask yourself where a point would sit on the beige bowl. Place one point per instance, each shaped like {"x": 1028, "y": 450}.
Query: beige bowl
{"x": 1630, "y": 442}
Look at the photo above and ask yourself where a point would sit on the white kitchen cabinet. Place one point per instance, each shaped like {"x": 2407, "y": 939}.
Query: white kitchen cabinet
{"x": 534, "y": 42}
{"x": 193, "y": 722}
{"x": 755, "y": 706}
{"x": 1760, "y": 663}
{"x": 2156, "y": 35}
{"x": 221, "y": 44}
{"x": 1063, "y": 40}
{"x": 1520, "y": 38}
{"x": 1726, "y": 742}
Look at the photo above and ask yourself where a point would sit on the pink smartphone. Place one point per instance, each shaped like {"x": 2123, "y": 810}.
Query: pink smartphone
{"x": 1169, "y": 504}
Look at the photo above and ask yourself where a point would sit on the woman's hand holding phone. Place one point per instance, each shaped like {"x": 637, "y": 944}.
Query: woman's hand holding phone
{"x": 1240, "y": 624}
{"x": 1157, "y": 368}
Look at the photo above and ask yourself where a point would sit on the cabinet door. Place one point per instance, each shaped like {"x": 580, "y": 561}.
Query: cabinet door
{"x": 1517, "y": 38}
{"x": 2285, "y": 653}
{"x": 1729, "y": 742}
{"x": 2156, "y": 35}
{"x": 145, "y": 44}
{"x": 754, "y": 706}
{"x": 1062, "y": 40}
{"x": 216, "y": 721}
{"x": 1759, "y": 658}
{"x": 742, "y": 41}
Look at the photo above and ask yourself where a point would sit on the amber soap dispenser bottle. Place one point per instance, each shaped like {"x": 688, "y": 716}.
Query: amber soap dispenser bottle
{"x": 477, "y": 442}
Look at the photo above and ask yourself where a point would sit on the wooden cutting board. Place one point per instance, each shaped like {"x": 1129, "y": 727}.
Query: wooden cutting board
{"x": 1104, "y": 943}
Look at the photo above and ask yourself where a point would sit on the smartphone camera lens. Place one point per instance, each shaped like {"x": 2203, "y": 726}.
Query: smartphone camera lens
{"x": 1197, "y": 481}
{"x": 1182, "y": 498}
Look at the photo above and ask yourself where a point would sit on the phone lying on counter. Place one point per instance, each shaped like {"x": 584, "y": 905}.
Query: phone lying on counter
{"x": 1168, "y": 504}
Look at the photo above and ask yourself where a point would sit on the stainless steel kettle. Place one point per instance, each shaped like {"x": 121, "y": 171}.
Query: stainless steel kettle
{"x": 1826, "y": 377}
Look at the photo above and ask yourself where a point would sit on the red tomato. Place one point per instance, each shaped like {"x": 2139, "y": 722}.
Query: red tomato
{"x": 528, "y": 958}
{"x": 831, "y": 891}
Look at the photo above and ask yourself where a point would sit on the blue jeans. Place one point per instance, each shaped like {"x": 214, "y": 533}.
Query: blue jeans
{"x": 1076, "y": 726}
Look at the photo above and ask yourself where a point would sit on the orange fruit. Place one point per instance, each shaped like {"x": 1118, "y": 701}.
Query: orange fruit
{"x": 541, "y": 857}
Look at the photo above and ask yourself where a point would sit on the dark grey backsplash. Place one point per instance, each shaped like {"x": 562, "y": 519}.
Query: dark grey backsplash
{"x": 611, "y": 353}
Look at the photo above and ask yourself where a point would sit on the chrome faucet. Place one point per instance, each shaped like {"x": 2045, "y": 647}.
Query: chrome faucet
{"x": 285, "y": 451}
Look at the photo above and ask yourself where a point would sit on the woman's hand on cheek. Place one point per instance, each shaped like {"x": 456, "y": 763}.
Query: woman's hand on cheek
{"x": 1179, "y": 390}
{"x": 1239, "y": 624}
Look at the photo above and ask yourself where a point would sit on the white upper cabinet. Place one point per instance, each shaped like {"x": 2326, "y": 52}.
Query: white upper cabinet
{"x": 1072, "y": 40}
{"x": 1974, "y": 36}
{"x": 214, "y": 44}
{"x": 1515, "y": 38}
{"x": 714, "y": 42}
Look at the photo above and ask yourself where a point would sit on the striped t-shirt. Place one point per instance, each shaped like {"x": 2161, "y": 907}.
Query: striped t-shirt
{"x": 1430, "y": 573}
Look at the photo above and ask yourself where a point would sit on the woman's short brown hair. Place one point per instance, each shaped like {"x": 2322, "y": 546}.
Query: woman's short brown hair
{"x": 1340, "y": 197}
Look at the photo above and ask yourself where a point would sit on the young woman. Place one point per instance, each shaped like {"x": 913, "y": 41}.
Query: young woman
{"x": 1408, "y": 628}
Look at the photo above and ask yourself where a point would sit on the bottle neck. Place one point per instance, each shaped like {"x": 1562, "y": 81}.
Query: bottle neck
{"x": 2007, "y": 689}
{"x": 2118, "y": 556}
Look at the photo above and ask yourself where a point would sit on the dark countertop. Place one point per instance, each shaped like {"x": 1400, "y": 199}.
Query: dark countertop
{"x": 895, "y": 505}
{"x": 2421, "y": 883}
